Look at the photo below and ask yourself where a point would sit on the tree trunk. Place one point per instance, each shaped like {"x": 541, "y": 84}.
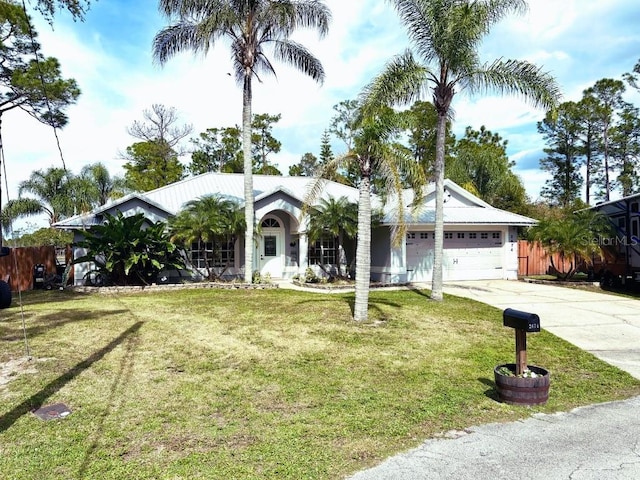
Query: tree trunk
{"x": 436, "y": 282}
{"x": 363, "y": 252}
{"x": 248, "y": 178}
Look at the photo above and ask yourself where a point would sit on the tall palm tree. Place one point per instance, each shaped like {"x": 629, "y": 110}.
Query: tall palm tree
{"x": 446, "y": 36}
{"x": 338, "y": 218}
{"x": 250, "y": 26}
{"x": 375, "y": 152}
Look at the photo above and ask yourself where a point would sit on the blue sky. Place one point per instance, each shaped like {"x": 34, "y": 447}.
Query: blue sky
{"x": 109, "y": 54}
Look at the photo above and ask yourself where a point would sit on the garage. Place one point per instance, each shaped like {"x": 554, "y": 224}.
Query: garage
{"x": 467, "y": 255}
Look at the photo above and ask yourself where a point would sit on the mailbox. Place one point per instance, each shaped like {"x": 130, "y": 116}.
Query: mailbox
{"x": 524, "y": 321}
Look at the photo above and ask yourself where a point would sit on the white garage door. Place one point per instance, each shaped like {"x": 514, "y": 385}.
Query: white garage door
{"x": 419, "y": 256}
{"x": 466, "y": 256}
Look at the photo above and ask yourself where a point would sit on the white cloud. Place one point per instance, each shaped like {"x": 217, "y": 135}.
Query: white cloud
{"x": 578, "y": 41}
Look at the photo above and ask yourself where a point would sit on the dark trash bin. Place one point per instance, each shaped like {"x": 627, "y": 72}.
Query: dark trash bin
{"x": 39, "y": 274}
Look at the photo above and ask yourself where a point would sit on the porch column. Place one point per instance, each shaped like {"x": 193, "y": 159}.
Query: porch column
{"x": 303, "y": 253}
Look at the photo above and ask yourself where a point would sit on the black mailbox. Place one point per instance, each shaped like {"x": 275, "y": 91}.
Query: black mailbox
{"x": 525, "y": 321}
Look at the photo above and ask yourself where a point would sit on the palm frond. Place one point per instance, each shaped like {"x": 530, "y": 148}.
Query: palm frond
{"x": 292, "y": 53}
{"x": 517, "y": 77}
{"x": 403, "y": 80}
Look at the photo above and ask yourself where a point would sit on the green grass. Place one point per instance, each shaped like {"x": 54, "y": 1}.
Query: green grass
{"x": 259, "y": 384}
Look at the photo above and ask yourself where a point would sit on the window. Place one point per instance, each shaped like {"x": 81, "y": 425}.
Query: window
{"x": 424, "y": 235}
{"x": 448, "y": 235}
{"x": 460, "y": 234}
{"x": 473, "y": 235}
{"x": 411, "y": 235}
{"x": 484, "y": 235}
{"x": 270, "y": 223}
{"x": 495, "y": 235}
{"x": 270, "y": 247}
{"x": 323, "y": 252}
{"x": 212, "y": 254}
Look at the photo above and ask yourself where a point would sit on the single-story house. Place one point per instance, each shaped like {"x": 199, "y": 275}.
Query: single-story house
{"x": 480, "y": 241}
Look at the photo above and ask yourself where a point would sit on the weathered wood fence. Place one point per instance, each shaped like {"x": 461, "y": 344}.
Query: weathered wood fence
{"x": 17, "y": 268}
{"x": 534, "y": 260}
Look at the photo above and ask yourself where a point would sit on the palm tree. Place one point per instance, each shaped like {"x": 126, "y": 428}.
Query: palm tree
{"x": 250, "y": 26}
{"x": 375, "y": 152}
{"x": 446, "y": 35}
{"x": 101, "y": 186}
{"x": 209, "y": 219}
{"x": 57, "y": 195}
{"x": 338, "y": 218}
{"x": 574, "y": 238}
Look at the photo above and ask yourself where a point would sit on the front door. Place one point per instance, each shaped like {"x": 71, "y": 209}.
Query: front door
{"x": 271, "y": 255}
{"x": 271, "y": 250}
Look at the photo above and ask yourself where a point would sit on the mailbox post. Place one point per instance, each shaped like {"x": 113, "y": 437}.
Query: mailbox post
{"x": 522, "y": 323}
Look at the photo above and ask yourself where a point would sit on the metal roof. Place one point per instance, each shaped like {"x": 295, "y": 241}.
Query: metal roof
{"x": 461, "y": 207}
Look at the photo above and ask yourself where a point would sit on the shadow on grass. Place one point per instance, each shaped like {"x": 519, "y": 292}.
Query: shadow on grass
{"x": 34, "y": 297}
{"x": 45, "y": 323}
{"x": 420, "y": 291}
{"x": 120, "y": 380}
{"x": 36, "y": 400}
{"x": 492, "y": 393}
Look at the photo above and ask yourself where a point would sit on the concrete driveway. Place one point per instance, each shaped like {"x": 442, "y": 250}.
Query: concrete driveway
{"x": 606, "y": 325}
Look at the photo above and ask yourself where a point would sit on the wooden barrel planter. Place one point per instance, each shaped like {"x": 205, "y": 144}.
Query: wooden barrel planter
{"x": 522, "y": 390}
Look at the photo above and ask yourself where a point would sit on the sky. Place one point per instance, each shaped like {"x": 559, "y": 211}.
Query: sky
{"x": 109, "y": 55}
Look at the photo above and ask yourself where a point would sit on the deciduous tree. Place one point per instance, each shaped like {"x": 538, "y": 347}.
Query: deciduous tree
{"x": 480, "y": 164}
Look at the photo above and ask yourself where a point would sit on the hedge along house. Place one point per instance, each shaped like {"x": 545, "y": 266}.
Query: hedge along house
{"x": 480, "y": 240}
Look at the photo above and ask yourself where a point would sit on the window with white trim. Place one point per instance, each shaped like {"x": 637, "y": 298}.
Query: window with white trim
{"x": 270, "y": 223}
{"x": 323, "y": 252}
{"x": 212, "y": 254}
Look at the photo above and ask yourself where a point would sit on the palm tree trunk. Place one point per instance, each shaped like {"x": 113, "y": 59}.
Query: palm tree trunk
{"x": 436, "y": 282}
{"x": 363, "y": 251}
{"x": 248, "y": 178}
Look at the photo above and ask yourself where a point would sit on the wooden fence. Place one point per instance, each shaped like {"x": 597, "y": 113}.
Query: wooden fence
{"x": 534, "y": 260}
{"x": 17, "y": 268}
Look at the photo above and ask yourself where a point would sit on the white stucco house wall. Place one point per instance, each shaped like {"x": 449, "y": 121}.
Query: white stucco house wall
{"x": 480, "y": 240}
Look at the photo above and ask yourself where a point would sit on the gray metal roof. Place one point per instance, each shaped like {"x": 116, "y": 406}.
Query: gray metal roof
{"x": 173, "y": 197}
{"x": 461, "y": 207}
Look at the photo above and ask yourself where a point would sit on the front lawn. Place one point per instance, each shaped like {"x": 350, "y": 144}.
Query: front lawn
{"x": 259, "y": 384}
